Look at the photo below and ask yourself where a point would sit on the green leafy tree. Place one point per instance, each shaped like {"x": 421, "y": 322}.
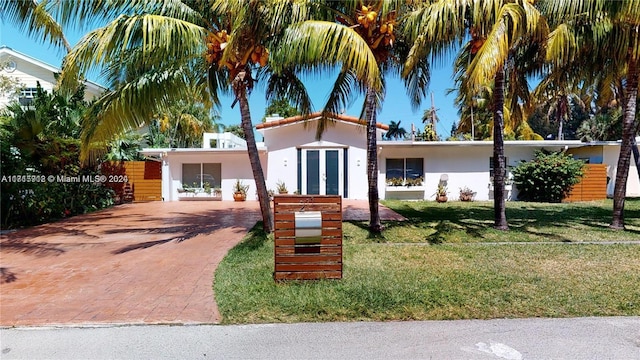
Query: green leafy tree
{"x": 603, "y": 38}
{"x": 395, "y": 131}
{"x": 235, "y": 130}
{"x": 365, "y": 41}
{"x": 282, "y": 107}
{"x": 548, "y": 177}
{"x": 152, "y": 47}
{"x": 503, "y": 35}
{"x": 39, "y": 149}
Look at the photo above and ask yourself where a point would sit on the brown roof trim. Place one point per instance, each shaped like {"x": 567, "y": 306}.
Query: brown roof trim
{"x": 314, "y": 116}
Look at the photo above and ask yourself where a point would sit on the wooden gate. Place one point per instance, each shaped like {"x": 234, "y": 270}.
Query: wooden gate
{"x": 304, "y": 260}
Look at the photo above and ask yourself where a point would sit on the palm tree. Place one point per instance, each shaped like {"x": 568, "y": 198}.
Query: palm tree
{"x": 152, "y": 47}
{"x": 365, "y": 40}
{"x": 395, "y": 131}
{"x": 502, "y": 32}
{"x": 598, "y": 36}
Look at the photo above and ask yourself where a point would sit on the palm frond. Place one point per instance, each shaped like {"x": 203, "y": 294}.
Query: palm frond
{"x": 340, "y": 97}
{"x": 159, "y": 39}
{"x": 416, "y": 82}
{"x": 313, "y": 43}
{"x": 34, "y": 18}
{"x": 119, "y": 110}
{"x": 286, "y": 84}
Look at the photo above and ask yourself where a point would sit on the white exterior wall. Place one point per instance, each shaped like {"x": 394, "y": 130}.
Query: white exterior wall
{"x": 464, "y": 165}
{"x": 234, "y": 165}
{"x": 611, "y": 154}
{"x": 283, "y": 142}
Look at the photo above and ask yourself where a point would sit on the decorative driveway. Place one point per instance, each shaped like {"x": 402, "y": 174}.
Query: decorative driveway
{"x": 136, "y": 263}
{"x": 144, "y": 263}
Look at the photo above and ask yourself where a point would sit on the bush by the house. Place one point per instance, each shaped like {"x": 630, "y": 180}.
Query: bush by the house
{"x": 548, "y": 177}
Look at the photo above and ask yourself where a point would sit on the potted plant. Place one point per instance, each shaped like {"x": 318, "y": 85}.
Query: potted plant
{"x": 240, "y": 191}
{"x": 441, "y": 193}
{"x": 414, "y": 182}
{"x": 281, "y": 187}
{"x": 466, "y": 194}
{"x": 395, "y": 181}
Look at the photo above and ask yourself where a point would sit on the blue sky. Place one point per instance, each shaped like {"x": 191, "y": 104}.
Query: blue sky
{"x": 395, "y": 108}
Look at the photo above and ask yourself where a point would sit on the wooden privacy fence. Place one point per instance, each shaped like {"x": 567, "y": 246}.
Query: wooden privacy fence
{"x": 307, "y": 256}
{"x": 593, "y": 185}
{"x": 144, "y": 179}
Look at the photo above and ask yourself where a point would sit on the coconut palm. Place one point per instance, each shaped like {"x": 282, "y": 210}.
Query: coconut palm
{"x": 502, "y": 32}
{"x": 598, "y": 36}
{"x": 366, "y": 39}
{"x": 151, "y": 48}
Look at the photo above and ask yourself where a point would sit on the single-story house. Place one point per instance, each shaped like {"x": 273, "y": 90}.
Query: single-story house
{"x": 336, "y": 164}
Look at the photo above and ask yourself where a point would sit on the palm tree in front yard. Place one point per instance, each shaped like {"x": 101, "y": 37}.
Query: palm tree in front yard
{"x": 500, "y": 31}
{"x": 366, "y": 41}
{"x": 598, "y": 36}
{"x": 153, "y": 47}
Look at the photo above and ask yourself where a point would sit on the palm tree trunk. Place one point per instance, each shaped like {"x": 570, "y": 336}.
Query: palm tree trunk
{"x": 375, "y": 225}
{"x": 628, "y": 133}
{"x": 254, "y": 159}
{"x": 498, "y": 153}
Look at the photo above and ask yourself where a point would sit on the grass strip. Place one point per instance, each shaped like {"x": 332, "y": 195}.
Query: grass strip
{"x": 447, "y": 281}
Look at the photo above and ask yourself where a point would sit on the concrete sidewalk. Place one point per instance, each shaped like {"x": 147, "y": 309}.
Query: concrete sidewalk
{"x": 516, "y": 339}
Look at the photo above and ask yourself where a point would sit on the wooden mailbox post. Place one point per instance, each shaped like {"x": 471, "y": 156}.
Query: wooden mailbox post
{"x": 311, "y": 247}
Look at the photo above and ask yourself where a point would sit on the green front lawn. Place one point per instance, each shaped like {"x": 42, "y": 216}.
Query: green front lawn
{"x": 466, "y": 222}
{"x": 463, "y": 277}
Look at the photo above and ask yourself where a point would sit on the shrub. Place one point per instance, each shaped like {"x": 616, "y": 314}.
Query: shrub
{"x": 548, "y": 177}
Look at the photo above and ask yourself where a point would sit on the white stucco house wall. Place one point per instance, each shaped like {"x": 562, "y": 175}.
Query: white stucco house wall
{"x": 28, "y": 71}
{"x": 336, "y": 164}
{"x": 290, "y": 154}
{"x": 468, "y": 164}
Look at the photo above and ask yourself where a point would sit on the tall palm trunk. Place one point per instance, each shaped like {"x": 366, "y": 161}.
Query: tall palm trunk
{"x": 498, "y": 153}
{"x": 628, "y": 133}
{"x": 254, "y": 157}
{"x": 375, "y": 225}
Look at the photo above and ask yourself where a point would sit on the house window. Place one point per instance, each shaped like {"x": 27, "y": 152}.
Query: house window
{"x": 196, "y": 175}
{"x": 506, "y": 161}
{"x": 27, "y": 95}
{"x": 405, "y": 169}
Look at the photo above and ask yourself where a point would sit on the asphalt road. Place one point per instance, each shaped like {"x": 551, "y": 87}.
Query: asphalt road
{"x": 576, "y": 338}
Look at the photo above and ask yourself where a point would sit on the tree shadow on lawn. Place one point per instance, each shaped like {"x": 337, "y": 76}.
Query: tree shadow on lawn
{"x": 477, "y": 219}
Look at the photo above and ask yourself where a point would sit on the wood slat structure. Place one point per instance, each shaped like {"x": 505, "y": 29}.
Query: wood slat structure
{"x": 593, "y": 185}
{"x": 144, "y": 179}
{"x": 302, "y": 261}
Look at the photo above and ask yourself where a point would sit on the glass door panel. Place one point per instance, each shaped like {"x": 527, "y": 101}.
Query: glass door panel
{"x": 313, "y": 172}
{"x": 332, "y": 186}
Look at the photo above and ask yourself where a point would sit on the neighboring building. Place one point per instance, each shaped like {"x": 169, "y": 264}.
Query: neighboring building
{"x": 28, "y": 72}
{"x": 336, "y": 164}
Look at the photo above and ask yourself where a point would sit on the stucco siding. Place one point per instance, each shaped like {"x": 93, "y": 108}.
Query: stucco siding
{"x": 234, "y": 166}
{"x": 283, "y": 143}
{"x": 611, "y": 154}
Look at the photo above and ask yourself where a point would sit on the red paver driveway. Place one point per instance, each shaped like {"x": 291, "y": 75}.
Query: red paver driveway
{"x": 135, "y": 263}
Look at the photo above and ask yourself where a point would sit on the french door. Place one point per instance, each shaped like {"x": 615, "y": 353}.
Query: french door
{"x": 322, "y": 171}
